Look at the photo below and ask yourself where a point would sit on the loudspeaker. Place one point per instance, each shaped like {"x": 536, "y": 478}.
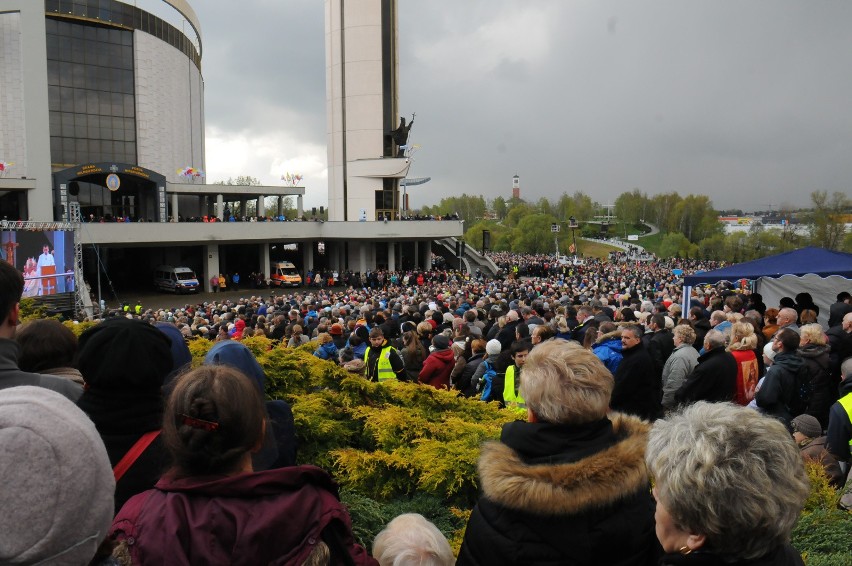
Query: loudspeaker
{"x": 322, "y": 210}
{"x": 313, "y": 211}
{"x": 486, "y": 239}
{"x": 73, "y": 188}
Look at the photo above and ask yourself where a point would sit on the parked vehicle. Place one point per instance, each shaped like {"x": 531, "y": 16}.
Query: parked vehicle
{"x": 176, "y": 279}
{"x": 284, "y": 274}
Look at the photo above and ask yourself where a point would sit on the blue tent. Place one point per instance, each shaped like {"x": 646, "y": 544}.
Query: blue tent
{"x": 822, "y": 273}
{"x": 817, "y": 261}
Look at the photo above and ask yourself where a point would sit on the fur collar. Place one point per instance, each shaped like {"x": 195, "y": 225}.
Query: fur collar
{"x": 569, "y": 488}
{"x": 609, "y": 336}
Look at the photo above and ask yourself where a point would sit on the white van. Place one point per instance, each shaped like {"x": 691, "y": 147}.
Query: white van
{"x": 175, "y": 279}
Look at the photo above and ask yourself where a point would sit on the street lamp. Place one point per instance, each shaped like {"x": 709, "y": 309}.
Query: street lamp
{"x": 572, "y": 223}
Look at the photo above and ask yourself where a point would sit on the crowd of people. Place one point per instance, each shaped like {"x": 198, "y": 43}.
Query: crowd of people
{"x": 606, "y": 377}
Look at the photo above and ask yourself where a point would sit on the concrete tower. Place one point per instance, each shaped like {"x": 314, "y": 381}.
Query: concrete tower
{"x": 516, "y": 187}
{"x": 364, "y": 163}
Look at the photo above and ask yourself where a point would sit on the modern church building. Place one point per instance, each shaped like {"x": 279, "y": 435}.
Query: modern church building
{"x": 102, "y": 105}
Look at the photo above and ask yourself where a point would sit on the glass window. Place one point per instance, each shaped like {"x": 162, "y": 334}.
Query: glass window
{"x": 79, "y": 100}
{"x": 66, "y": 100}
{"x": 67, "y": 124}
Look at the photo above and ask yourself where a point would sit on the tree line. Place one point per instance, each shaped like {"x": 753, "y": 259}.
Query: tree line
{"x": 689, "y": 225}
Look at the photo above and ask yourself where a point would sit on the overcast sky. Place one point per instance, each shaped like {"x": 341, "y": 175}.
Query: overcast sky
{"x": 749, "y": 102}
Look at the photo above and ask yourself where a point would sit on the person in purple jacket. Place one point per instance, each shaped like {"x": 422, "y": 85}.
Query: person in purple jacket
{"x": 211, "y": 507}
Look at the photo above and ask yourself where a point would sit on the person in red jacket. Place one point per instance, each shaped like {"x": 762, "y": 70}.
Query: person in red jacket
{"x": 212, "y": 508}
{"x": 439, "y": 365}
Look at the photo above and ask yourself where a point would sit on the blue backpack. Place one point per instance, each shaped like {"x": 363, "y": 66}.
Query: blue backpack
{"x": 486, "y": 381}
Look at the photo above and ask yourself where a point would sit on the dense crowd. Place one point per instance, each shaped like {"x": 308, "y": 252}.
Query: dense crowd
{"x": 607, "y": 376}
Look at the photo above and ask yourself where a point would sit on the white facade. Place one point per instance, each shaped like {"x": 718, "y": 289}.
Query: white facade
{"x": 357, "y": 105}
{"x": 169, "y": 108}
{"x": 24, "y": 124}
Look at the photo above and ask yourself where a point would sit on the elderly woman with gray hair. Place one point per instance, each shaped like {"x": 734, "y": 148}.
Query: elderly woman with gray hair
{"x": 569, "y": 486}
{"x": 729, "y": 485}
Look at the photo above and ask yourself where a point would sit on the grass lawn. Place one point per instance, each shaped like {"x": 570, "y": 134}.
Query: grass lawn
{"x": 595, "y": 249}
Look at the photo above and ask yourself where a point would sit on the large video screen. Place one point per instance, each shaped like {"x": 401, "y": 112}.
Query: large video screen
{"x": 46, "y": 260}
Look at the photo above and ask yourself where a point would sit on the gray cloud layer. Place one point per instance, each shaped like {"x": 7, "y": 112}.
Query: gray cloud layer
{"x": 746, "y": 102}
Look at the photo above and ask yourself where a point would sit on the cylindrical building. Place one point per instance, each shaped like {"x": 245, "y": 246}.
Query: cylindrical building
{"x": 101, "y": 102}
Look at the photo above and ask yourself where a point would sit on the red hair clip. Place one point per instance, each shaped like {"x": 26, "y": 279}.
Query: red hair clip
{"x": 198, "y": 423}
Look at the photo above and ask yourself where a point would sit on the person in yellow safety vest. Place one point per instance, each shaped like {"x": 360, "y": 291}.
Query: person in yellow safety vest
{"x": 382, "y": 361}
{"x": 512, "y": 385}
{"x": 839, "y": 437}
{"x": 138, "y": 308}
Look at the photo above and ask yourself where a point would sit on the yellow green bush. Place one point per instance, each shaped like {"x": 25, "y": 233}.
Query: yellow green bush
{"x": 402, "y": 447}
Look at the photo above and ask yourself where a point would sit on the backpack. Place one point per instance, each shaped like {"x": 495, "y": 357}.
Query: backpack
{"x": 802, "y": 390}
{"x": 486, "y": 381}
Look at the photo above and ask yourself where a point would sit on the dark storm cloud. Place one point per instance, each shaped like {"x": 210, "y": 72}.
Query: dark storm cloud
{"x": 744, "y": 101}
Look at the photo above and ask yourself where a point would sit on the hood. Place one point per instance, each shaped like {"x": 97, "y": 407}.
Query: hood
{"x": 615, "y": 336}
{"x": 269, "y": 482}
{"x": 814, "y": 351}
{"x": 595, "y": 480}
{"x": 789, "y": 361}
{"x": 236, "y": 355}
{"x": 444, "y": 355}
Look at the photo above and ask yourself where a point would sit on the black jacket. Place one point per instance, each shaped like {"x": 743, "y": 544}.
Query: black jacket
{"x": 563, "y": 495}
{"x": 783, "y": 556}
{"x": 779, "y": 386}
{"x": 660, "y": 348}
{"x": 823, "y": 384}
{"x": 638, "y": 389}
{"x": 714, "y": 379}
{"x": 463, "y": 383}
{"x": 702, "y": 327}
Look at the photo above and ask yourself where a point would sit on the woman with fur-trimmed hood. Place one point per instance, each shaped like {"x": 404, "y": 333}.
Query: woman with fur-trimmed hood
{"x": 570, "y": 485}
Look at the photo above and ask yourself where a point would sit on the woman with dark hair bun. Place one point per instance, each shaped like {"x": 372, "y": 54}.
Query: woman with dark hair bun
{"x": 211, "y": 507}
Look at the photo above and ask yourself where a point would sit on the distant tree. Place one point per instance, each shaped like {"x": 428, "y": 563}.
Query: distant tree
{"x": 661, "y": 209}
{"x": 630, "y": 207}
{"x": 516, "y": 213}
{"x": 565, "y": 208}
{"x": 543, "y": 206}
{"x": 498, "y": 205}
{"x": 583, "y": 207}
{"x": 533, "y": 235}
{"x": 826, "y": 226}
{"x": 676, "y": 244}
{"x": 473, "y": 236}
{"x": 696, "y": 219}
{"x": 241, "y": 180}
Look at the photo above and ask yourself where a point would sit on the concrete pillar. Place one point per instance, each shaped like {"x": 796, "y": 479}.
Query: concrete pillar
{"x": 220, "y": 207}
{"x": 264, "y": 259}
{"x": 280, "y": 206}
{"x": 211, "y": 265}
{"x": 333, "y": 250}
{"x": 391, "y": 256}
{"x": 174, "y": 209}
{"x": 362, "y": 257}
{"x": 307, "y": 256}
{"x": 261, "y": 207}
{"x": 299, "y": 209}
{"x": 243, "y": 206}
{"x": 427, "y": 256}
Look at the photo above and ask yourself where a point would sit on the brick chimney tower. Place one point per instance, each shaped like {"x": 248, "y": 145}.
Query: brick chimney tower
{"x": 516, "y": 187}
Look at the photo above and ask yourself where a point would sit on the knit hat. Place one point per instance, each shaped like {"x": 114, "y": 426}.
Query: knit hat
{"x": 441, "y": 342}
{"x": 769, "y": 352}
{"x": 58, "y": 486}
{"x": 807, "y": 425}
{"x": 336, "y": 329}
{"x": 493, "y": 348}
{"x": 123, "y": 354}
